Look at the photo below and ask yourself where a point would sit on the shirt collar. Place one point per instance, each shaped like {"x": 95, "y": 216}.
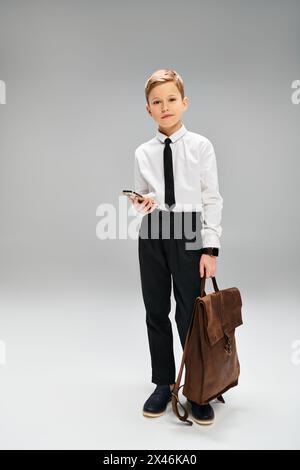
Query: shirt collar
{"x": 175, "y": 136}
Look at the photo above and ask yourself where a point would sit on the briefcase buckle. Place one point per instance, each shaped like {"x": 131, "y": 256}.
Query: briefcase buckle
{"x": 228, "y": 346}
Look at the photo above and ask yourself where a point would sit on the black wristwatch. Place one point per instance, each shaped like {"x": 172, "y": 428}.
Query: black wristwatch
{"x": 212, "y": 251}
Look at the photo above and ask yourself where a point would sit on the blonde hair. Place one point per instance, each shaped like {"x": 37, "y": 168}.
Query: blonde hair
{"x": 162, "y": 76}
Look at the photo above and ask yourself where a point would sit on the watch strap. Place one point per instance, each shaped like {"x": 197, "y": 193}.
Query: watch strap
{"x": 212, "y": 251}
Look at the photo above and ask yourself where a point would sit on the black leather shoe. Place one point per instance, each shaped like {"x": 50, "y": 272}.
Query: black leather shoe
{"x": 157, "y": 402}
{"x": 202, "y": 414}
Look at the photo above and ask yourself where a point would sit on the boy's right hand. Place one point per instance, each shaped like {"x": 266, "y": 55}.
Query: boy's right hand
{"x": 147, "y": 205}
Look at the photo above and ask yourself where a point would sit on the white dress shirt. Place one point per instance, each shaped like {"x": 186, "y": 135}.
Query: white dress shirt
{"x": 195, "y": 178}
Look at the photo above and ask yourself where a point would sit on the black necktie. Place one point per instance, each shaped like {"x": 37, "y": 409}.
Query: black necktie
{"x": 168, "y": 172}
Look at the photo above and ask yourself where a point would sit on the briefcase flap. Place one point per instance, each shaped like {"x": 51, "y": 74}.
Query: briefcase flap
{"x": 222, "y": 312}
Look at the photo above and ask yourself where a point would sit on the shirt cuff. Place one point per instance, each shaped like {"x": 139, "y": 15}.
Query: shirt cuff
{"x": 210, "y": 239}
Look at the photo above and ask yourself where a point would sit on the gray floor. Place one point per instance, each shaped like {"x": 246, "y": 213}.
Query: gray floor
{"x": 70, "y": 380}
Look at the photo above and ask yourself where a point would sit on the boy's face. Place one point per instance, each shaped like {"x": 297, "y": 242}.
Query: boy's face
{"x": 165, "y": 99}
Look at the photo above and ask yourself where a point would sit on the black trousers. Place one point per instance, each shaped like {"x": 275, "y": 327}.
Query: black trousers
{"x": 169, "y": 249}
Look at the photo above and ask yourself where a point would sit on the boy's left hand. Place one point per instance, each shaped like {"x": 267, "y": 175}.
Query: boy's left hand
{"x": 209, "y": 264}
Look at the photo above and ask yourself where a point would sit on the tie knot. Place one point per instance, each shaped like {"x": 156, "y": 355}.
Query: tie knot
{"x": 168, "y": 141}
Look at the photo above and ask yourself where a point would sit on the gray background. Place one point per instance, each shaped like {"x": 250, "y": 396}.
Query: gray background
{"x": 77, "y": 367}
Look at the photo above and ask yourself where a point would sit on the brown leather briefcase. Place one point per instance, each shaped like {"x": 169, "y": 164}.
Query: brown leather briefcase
{"x": 210, "y": 355}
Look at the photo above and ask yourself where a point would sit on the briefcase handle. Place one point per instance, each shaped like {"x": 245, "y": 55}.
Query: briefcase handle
{"x": 202, "y": 284}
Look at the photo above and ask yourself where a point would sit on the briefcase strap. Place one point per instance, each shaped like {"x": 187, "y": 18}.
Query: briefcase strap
{"x": 175, "y": 399}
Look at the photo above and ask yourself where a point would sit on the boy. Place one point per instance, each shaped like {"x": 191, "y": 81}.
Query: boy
{"x": 176, "y": 172}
